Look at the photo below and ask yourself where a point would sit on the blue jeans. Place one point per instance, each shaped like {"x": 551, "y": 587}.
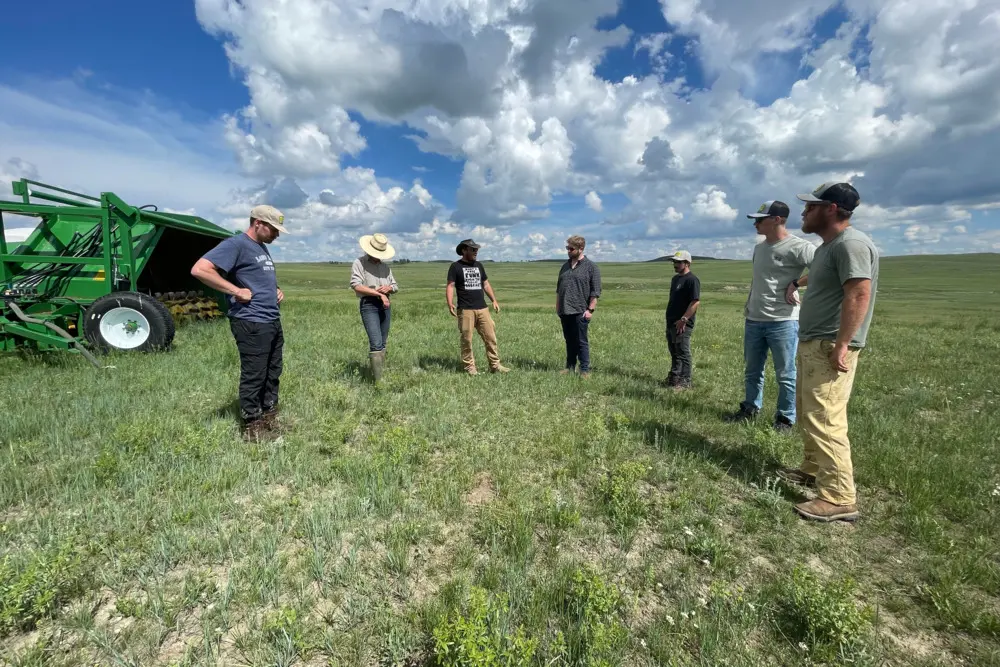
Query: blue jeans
{"x": 376, "y": 319}
{"x": 782, "y": 339}
{"x": 577, "y": 342}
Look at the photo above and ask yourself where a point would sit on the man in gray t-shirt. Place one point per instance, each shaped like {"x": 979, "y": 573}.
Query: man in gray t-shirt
{"x": 771, "y": 320}
{"x": 241, "y": 268}
{"x": 833, "y": 328}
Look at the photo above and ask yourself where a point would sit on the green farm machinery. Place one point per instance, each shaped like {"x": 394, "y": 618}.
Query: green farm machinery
{"x": 98, "y": 274}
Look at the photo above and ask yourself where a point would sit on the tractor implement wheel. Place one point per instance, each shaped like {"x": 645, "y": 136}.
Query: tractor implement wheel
{"x": 171, "y": 329}
{"x": 128, "y": 321}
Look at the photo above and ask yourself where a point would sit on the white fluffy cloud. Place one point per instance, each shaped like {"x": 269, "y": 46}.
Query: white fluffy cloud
{"x": 593, "y": 201}
{"x": 904, "y": 100}
{"x": 711, "y": 205}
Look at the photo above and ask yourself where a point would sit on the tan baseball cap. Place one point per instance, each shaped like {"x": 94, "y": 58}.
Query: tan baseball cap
{"x": 681, "y": 256}
{"x": 270, "y": 215}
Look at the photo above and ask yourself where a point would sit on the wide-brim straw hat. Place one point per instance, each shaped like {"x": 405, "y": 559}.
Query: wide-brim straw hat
{"x": 377, "y": 245}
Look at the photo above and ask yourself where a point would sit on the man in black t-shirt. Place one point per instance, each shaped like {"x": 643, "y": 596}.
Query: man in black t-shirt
{"x": 685, "y": 295}
{"x": 467, "y": 276}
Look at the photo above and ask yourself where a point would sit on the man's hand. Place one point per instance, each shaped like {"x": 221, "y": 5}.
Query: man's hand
{"x": 385, "y": 301}
{"x": 496, "y": 307}
{"x": 838, "y": 357}
{"x": 384, "y": 289}
{"x": 681, "y": 326}
{"x": 792, "y": 294}
{"x": 451, "y": 309}
{"x": 281, "y": 296}
{"x": 587, "y": 315}
{"x": 243, "y": 295}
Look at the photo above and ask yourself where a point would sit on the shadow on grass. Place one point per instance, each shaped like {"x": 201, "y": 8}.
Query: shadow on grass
{"x": 748, "y": 461}
{"x": 430, "y": 362}
{"x": 230, "y": 410}
{"x": 357, "y": 369}
{"x": 532, "y": 364}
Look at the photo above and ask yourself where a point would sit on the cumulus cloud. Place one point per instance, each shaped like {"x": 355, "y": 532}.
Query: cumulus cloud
{"x": 711, "y": 205}
{"x": 903, "y": 99}
{"x": 593, "y": 201}
{"x": 672, "y": 215}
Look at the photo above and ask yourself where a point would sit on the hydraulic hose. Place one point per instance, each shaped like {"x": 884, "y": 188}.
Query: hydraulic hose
{"x": 31, "y": 320}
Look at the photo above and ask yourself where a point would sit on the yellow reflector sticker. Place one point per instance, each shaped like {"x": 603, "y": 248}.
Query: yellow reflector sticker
{"x": 100, "y": 275}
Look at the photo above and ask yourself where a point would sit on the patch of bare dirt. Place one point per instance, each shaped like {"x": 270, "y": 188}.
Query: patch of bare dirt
{"x": 483, "y": 492}
{"x": 913, "y": 644}
{"x": 818, "y": 566}
{"x": 188, "y": 630}
{"x": 107, "y": 614}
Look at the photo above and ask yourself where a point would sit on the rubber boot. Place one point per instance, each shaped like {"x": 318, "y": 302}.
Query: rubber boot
{"x": 377, "y": 360}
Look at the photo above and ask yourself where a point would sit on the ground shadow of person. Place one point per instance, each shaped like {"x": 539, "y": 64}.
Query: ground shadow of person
{"x": 746, "y": 461}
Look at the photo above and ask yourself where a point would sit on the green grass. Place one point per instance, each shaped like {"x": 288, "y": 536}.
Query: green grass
{"x": 531, "y": 518}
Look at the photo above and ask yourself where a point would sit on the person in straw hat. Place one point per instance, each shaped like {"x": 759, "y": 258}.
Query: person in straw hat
{"x": 373, "y": 282}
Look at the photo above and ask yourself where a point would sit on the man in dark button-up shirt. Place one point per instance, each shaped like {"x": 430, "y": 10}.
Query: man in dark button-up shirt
{"x": 577, "y": 291}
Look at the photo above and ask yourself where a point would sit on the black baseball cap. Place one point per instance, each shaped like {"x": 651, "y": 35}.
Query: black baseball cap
{"x": 769, "y": 208}
{"x": 842, "y": 194}
{"x": 466, "y": 243}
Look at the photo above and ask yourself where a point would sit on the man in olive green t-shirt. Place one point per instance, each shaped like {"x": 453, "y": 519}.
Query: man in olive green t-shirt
{"x": 834, "y": 321}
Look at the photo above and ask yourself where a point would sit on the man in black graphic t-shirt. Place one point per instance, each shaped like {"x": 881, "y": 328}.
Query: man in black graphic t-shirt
{"x": 685, "y": 295}
{"x": 468, "y": 277}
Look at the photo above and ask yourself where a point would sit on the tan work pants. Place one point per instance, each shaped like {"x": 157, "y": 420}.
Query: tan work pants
{"x": 477, "y": 320}
{"x": 821, "y": 397}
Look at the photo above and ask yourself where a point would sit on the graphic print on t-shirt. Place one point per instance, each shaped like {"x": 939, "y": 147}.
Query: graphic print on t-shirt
{"x": 472, "y": 279}
{"x": 266, "y": 259}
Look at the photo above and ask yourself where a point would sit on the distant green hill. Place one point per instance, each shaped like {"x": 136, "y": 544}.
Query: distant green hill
{"x": 698, "y": 258}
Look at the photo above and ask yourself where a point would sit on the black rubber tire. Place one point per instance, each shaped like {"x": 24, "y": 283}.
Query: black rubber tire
{"x": 168, "y": 318}
{"x": 161, "y": 324}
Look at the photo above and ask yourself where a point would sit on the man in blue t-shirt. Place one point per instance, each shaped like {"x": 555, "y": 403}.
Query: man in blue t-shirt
{"x": 241, "y": 268}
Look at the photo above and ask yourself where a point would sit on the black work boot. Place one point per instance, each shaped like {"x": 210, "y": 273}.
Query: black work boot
{"x": 743, "y": 415}
{"x": 782, "y": 424}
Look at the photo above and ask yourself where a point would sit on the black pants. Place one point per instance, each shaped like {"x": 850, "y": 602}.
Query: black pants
{"x": 680, "y": 351}
{"x": 575, "y": 329}
{"x": 260, "y": 345}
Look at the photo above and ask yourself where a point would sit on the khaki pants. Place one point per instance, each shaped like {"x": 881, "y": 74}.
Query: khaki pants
{"x": 477, "y": 320}
{"x": 821, "y": 398}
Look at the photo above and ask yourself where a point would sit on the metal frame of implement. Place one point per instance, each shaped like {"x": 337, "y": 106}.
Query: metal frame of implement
{"x": 88, "y": 249}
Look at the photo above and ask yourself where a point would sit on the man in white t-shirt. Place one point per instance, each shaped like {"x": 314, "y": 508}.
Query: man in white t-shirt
{"x": 772, "y": 313}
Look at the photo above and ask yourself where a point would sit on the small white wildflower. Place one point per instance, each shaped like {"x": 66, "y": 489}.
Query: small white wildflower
{"x": 670, "y": 620}
{"x": 996, "y": 491}
{"x": 703, "y": 602}
{"x": 704, "y": 561}
{"x": 642, "y": 642}
{"x": 684, "y": 614}
{"x": 803, "y": 646}
{"x": 688, "y": 532}
{"x": 659, "y": 585}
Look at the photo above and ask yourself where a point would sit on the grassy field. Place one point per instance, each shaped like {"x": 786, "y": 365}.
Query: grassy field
{"x": 530, "y": 518}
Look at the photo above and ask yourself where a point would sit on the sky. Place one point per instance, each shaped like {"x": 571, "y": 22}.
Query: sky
{"x": 646, "y": 126}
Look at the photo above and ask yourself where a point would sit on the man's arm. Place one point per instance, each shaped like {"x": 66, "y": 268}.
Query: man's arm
{"x": 207, "y": 273}
{"x": 857, "y": 296}
{"x": 489, "y": 292}
{"x": 595, "y": 288}
{"x": 449, "y": 292}
{"x": 792, "y": 291}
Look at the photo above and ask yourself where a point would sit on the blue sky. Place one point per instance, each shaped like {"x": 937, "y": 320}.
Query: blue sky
{"x": 645, "y": 125}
